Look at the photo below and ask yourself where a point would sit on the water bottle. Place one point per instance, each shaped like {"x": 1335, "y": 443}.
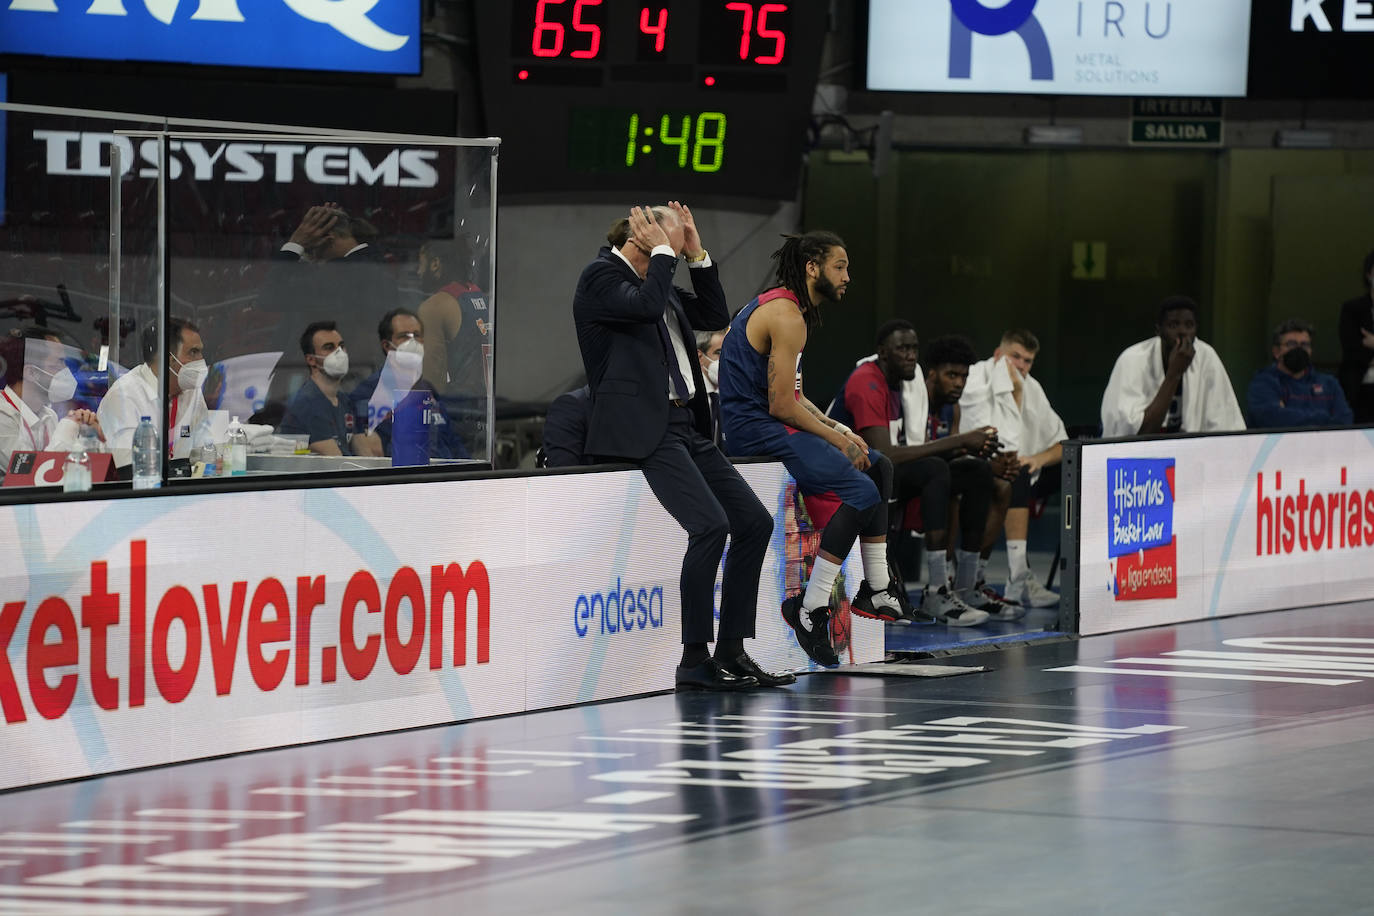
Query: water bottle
{"x": 203, "y": 451}
{"x": 238, "y": 448}
{"x": 147, "y": 457}
{"x": 76, "y": 472}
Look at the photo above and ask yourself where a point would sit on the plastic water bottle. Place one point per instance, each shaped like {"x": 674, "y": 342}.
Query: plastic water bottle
{"x": 147, "y": 457}
{"x": 76, "y": 471}
{"x": 238, "y": 448}
{"x": 203, "y": 450}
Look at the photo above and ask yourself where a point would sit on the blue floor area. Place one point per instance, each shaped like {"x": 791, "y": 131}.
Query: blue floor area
{"x": 923, "y": 638}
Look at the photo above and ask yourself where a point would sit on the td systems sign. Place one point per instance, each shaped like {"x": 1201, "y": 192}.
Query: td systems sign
{"x": 1312, "y": 49}
{"x": 1068, "y": 47}
{"x": 373, "y": 36}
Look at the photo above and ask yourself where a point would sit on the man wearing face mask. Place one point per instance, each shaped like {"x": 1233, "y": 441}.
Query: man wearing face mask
{"x": 1289, "y": 392}
{"x": 35, "y": 379}
{"x": 332, "y": 259}
{"x": 134, "y": 394}
{"x": 1170, "y": 383}
{"x": 396, "y": 394}
{"x": 708, "y": 355}
{"x": 319, "y": 409}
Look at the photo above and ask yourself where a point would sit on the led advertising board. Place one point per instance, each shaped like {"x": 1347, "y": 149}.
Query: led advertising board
{"x": 368, "y": 36}
{"x": 146, "y": 631}
{"x": 1060, "y": 47}
{"x": 1190, "y": 528}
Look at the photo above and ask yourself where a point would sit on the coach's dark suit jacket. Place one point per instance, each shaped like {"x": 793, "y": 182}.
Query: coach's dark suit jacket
{"x": 1356, "y": 315}
{"x": 627, "y": 369}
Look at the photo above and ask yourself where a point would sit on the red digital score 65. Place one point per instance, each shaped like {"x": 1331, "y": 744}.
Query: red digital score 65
{"x": 730, "y": 31}
{"x": 548, "y": 37}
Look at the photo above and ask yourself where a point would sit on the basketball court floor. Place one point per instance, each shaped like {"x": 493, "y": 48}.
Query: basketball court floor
{"x": 1220, "y": 767}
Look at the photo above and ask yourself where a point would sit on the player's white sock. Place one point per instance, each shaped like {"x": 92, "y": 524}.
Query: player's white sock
{"x": 938, "y": 565}
{"x": 1016, "y": 560}
{"x": 820, "y": 585}
{"x": 875, "y": 564}
{"x": 965, "y": 574}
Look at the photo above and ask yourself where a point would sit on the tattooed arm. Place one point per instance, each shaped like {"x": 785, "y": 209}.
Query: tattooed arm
{"x": 787, "y": 335}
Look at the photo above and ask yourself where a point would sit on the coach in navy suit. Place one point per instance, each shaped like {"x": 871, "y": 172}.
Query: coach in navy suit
{"x": 649, "y": 408}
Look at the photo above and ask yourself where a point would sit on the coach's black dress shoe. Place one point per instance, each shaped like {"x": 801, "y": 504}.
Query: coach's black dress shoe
{"x": 710, "y": 676}
{"x": 744, "y": 666}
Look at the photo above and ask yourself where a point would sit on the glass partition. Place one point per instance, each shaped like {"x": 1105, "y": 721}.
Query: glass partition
{"x": 333, "y": 293}
{"x": 341, "y": 289}
{"x": 60, "y": 285}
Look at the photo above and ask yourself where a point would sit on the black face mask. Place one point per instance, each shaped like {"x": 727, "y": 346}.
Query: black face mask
{"x": 1297, "y": 360}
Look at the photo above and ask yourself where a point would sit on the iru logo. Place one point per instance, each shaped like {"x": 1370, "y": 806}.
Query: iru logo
{"x": 361, "y": 35}
{"x": 970, "y": 16}
{"x": 1140, "y": 528}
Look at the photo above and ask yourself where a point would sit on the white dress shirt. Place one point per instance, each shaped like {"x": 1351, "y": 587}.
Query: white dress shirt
{"x": 134, "y": 396}
{"x": 23, "y": 430}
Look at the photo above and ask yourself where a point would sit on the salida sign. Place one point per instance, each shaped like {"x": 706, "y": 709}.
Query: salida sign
{"x": 378, "y": 36}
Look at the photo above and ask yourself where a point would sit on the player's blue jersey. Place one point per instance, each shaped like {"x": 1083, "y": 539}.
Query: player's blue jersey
{"x": 744, "y": 370}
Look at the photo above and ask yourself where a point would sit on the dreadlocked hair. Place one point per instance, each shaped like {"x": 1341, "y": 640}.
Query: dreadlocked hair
{"x": 792, "y": 258}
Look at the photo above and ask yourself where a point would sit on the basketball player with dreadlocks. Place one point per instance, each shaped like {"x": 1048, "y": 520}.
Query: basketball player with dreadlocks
{"x": 765, "y": 412}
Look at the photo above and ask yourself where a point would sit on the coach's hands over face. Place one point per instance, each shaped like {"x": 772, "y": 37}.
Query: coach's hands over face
{"x": 691, "y": 239}
{"x": 645, "y": 232}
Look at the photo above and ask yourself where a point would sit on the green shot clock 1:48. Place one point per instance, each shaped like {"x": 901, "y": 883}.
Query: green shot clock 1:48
{"x": 614, "y": 140}
{"x": 667, "y": 96}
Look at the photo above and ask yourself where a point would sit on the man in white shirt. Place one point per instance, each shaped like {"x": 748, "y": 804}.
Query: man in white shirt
{"x": 36, "y": 377}
{"x": 134, "y": 395}
{"x": 1001, "y": 393}
{"x": 1171, "y": 383}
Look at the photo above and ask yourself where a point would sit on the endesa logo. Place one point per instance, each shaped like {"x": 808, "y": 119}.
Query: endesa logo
{"x": 1140, "y": 528}
{"x": 619, "y": 610}
{"x": 1018, "y": 16}
{"x": 189, "y": 638}
{"x": 70, "y": 152}
{"x": 322, "y": 34}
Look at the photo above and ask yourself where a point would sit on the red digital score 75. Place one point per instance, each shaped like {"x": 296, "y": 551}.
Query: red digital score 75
{"x": 547, "y": 38}
{"x": 759, "y": 26}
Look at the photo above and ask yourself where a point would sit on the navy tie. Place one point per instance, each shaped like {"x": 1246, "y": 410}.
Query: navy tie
{"x": 674, "y": 371}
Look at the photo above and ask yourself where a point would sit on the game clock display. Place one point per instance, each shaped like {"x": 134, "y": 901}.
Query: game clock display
{"x": 663, "y": 96}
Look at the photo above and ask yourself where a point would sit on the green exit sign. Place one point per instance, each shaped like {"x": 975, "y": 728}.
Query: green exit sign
{"x": 1197, "y": 132}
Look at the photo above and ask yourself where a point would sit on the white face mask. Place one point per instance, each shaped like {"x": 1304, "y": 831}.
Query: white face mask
{"x": 713, "y": 373}
{"x": 58, "y": 387}
{"x": 404, "y": 364}
{"x": 335, "y": 365}
{"x": 192, "y": 375}
{"x": 409, "y": 356}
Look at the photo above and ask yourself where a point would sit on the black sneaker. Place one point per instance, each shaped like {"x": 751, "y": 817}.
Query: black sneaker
{"x": 881, "y": 604}
{"x": 815, "y": 642}
{"x": 987, "y": 591}
{"x": 985, "y": 599}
